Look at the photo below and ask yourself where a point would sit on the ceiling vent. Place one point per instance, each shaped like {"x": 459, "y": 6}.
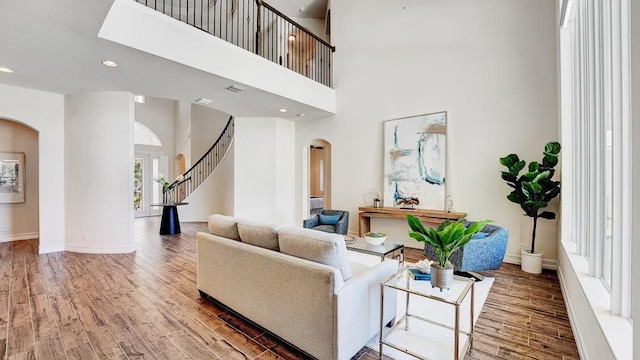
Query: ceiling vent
{"x": 204, "y": 101}
{"x": 235, "y": 88}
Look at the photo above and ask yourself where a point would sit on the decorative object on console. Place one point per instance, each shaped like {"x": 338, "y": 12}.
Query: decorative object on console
{"x": 339, "y": 227}
{"x": 449, "y": 201}
{"x": 12, "y": 170}
{"x": 408, "y": 203}
{"x": 533, "y": 191}
{"x": 375, "y": 238}
{"x": 446, "y": 239}
{"x": 414, "y": 160}
{"x": 372, "y": 196}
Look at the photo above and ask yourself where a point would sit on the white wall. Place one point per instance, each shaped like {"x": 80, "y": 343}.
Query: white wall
{"x": 99, "y": 172}
{"x": 182, "y": 132}
{"x": 47, "y": 117}
{"x": 214, "y": 195}
{"x": 159, "y": 116}
{"x": 264, "y": 169}
{"x": 490, "y": 65}
{"x": 206, "y": 125}
{"x": 19, "y": 221}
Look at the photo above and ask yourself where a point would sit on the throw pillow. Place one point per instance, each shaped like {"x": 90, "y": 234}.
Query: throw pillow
{"x": 224, "y": 226}
{"x": 318, "y": 246}
{"x": 479, "y": 235}
{"x": 329, "y": 219}
{"x": 257, "y": 233}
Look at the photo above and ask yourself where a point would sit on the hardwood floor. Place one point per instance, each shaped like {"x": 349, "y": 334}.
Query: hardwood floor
{"x": 145, "y": 305}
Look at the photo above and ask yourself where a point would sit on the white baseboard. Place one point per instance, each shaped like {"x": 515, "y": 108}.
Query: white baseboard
{"x": 517, "y": 259}
{"x": 51, "y": 249}
{"x": 100, "y": 249}
{"x": 16, "y": 237}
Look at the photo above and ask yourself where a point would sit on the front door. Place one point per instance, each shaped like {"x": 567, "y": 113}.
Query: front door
{"x": 146, "y": 191}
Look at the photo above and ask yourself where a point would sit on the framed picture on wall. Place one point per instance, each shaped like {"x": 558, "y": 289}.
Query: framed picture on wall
{"x": 414, "y": 161}
{"x": 12, "y": 171}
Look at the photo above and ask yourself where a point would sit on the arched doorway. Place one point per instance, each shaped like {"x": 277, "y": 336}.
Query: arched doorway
{"x": 19, "y": 181}
{"x": 318, "y": 185}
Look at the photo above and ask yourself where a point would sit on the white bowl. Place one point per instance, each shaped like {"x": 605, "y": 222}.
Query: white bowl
{"x": 375, "y": 240}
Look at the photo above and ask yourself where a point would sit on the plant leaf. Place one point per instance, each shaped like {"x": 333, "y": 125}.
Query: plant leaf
{"x": 415, "y": 224}
{"x": 509, "y": 160}
{"x": 548, "y": 215}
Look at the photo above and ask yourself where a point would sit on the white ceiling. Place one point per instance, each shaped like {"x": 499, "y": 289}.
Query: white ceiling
{"x": 53, "y": 46}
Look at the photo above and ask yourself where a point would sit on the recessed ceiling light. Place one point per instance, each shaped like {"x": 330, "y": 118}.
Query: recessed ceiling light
{"x": 204, "y": 101}
{"x": 5, "y": 70}
{"x": 300, "y": 115}
{"x": 302, "y": 9}
{"x": 283, "y": 110}
{"x": 109, "y": 63}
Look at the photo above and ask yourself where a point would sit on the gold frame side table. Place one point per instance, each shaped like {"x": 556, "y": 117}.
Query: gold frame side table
{"x": 454, "y": 297}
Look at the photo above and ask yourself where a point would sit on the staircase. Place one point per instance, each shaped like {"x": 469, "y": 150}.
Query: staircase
{"x": 198, "y": 173}
{"x": 259, "y": 28}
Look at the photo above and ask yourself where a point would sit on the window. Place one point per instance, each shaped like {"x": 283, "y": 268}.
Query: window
{"x": 142, "y": 135}
{"x": 597, "y": 42}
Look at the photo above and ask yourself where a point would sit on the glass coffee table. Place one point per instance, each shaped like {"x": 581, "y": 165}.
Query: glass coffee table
{"x": 359, "y": 244}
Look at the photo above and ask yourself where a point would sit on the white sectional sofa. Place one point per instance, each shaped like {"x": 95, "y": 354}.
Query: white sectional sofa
{"x": 299, "y": 284}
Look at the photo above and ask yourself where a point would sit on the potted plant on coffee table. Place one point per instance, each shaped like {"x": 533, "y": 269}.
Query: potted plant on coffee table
{"x": 532, "y": 191}
{"x": 446, "y": 239}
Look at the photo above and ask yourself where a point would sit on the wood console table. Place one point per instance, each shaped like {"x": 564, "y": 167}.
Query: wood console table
{"x": 432, "y": 216}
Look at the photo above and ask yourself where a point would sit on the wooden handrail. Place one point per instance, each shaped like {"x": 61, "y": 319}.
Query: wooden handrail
{"x": 293, "y": 22}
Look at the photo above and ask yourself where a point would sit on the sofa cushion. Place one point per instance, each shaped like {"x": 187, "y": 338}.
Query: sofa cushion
{"x": 321, "y": 247}
{"x": 325, "y": 228}
{"x": 224, "y": 226}
{"x": 258, "y": 233}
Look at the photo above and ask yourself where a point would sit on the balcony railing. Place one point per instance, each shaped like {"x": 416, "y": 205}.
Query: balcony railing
{"x": 257, "y": 27}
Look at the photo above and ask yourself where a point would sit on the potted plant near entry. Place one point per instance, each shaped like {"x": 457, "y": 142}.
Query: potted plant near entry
{"x": 446, "y": 239}
{"x": 532, "y": 191}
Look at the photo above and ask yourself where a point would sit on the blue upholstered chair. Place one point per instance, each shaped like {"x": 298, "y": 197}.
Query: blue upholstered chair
{"x": 326, "y": 221}
{"x": 485, "y": 251}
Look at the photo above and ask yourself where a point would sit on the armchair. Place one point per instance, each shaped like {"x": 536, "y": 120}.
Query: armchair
{"x": 340, "y": 227}
{"x": 485, "y": 251}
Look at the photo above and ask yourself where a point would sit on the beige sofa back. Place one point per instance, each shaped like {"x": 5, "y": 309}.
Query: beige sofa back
{"x": 279, "y": 292}
{"x": 299, "y": 293}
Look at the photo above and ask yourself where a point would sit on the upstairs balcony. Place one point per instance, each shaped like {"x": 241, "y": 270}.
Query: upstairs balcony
{"x": 257, "y": 27}
{"x": 234, "y": 42}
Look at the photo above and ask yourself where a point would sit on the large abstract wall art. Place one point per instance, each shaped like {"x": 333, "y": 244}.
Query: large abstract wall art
{"x": 414, "y": 161}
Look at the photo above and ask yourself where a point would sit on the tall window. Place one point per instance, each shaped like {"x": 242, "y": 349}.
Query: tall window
{"x": 598, "y": 44}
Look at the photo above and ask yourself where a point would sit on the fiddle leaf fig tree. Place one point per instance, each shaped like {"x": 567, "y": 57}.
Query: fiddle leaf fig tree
{"x": 535, "y": 188}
